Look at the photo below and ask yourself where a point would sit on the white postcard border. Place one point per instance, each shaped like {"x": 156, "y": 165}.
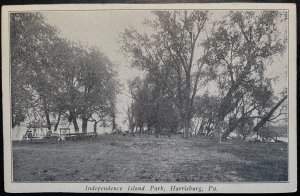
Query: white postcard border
{"x": 255, "y": 187}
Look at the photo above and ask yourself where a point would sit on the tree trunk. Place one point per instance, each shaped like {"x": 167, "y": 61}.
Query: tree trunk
{"x": 136, "y": 128}
{"x": 48, "y": 120}
{"x": 226, "y": 104}
{"x": 95, "y": 126}
{"x": 46, "y": 111}
{"x": 57, "y": 123}
{"x": 268, "y": 115}
{"x": 226, "y": 133}
{"x": 75, "y": 125}
{"x": 186, "y": 129}
{"x": 187, "y": 107}
{"x": 140, "y": 130}
{"x": 208, "y": 131}
{"x": 244, "y": 137}
{"x": 233, "y": 123}
{"x": 131, "y": 127}
{"x": 114, "y": 125}
{"x": 84, "y": 124}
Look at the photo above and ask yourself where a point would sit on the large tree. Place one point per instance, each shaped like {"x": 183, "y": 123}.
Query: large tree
{"x": 56, "y": 76}
{"x": 243, "y": 45}
{"x": 173, "y": 51}
{"x": 88, "y": 83}
{"x": 31, "y": 41}
{"x": 99, "y": 87}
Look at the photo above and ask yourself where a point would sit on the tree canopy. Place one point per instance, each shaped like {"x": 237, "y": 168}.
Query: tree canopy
{"x": 188, "y": 49}
{"x": 57, "y": 77}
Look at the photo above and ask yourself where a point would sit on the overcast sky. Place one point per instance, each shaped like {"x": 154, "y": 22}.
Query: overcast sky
{"x": 102, "y": 29}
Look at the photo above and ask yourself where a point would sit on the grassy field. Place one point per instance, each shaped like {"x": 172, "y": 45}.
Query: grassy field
{"x": 111, "y": 158}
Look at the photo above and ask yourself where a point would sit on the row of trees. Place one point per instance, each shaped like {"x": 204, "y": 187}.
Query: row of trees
{"x": 57, "y": 78}
{"x": 189, "y": 50}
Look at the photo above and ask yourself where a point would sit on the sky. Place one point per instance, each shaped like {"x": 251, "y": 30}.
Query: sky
{"x": 102, "y": 29}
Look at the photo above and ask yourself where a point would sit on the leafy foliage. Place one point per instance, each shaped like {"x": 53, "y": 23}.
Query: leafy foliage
{"x": 56, "y": 75}
{"x": 188, "y": 48}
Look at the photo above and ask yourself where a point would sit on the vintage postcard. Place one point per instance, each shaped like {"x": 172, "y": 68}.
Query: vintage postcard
{"x": 149, "y": 98}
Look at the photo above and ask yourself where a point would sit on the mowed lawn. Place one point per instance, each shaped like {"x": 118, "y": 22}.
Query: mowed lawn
{"x": 110, "y": 158}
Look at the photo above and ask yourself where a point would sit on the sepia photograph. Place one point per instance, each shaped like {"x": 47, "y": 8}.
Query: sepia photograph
{"x": 149, "y": 98}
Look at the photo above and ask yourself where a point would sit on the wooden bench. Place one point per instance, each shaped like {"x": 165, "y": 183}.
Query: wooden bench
{"x": 76, "y": 136}
{"x": 165, "y": 134}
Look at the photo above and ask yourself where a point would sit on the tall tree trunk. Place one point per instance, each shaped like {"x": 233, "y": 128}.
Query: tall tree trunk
{"x": 227, "y": 132}
{"x": 131, "y": 127}
{"x": 186, "y": 128}
{"x": 244, "y": 137}
{"x": 46, "y": 111}
{"x": 266, "y": 117}
{"x": 187, "y": 107}
{"x": 95, "y": 126}
{"x": 226, "y": 104}
{"x": 57, "y": 122}
{"x": 84, "y": 124}
{"x": 136, "y": 128}
{"x": 48, "y": 120}
{"x": 114, "y": 125}
{"x": 75, "y": 125}
{"x": 232, "y": 124}
{"x": 72, "y": 118}
{"x": 207, "y": 130}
